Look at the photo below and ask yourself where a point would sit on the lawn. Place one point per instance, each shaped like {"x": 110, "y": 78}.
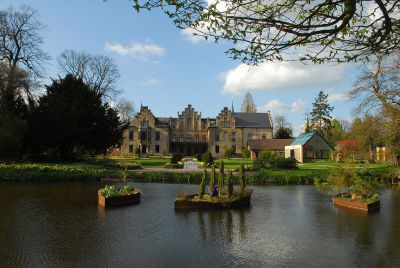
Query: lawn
{"x": 328, "y": 164}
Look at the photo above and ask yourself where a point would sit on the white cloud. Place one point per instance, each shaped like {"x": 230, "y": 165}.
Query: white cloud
{"x": 275, "y": 106}
{"x": 297, "y": 106}
{"x": 341, "y": 96}
{"x": 136, "y": 50}
{"x": 151, "y": 82}
{"x": 189, "y": 35}
{"x": 280, "y": 76}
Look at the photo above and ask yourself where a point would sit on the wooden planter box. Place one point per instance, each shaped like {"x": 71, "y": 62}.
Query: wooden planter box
{"x": 122, "y": 200}
{"x": 367, "y": 207}
{"x": 190, "y": 204}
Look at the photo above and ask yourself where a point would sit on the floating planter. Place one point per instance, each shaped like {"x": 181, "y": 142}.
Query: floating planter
{"x": 341, "y": 201}
{"x": 193, "y": 202}
{"x": 218, "y": 197}
{"x": 113, "y": 196}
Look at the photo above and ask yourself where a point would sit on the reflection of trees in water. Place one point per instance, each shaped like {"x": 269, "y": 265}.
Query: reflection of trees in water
{"x": 389, "y": 252}
{"x": 221, "y": 225}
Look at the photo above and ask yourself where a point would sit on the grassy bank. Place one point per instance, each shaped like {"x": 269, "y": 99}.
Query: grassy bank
{"x": 94, "y": 170}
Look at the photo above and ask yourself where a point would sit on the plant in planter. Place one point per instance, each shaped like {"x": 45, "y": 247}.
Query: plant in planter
{"x": 115, "y": 196}
{"x": 352, "y": 189}
{"x": 221, "y": 178}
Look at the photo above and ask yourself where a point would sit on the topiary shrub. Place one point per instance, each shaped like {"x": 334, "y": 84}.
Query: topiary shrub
{"x": 212, "y": 181}
{"x": 230, "y": 183}
{"x": 246, "y": 153}
{"x": 202, "y": 185}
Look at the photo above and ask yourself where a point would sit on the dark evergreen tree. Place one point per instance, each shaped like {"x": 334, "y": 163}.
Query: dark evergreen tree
{"x": 70, "y": 120}
{"x": 321, "y": 119}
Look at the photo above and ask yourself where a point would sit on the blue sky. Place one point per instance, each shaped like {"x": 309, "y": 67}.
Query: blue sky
{"x": 166, "y": 68}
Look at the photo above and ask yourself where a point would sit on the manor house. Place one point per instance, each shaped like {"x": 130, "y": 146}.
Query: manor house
{"x": 190, "y": 134}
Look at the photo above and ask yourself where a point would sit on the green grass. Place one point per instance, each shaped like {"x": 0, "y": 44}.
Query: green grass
{"x": 235, "y": 163}
{"x": 328, "y": 164}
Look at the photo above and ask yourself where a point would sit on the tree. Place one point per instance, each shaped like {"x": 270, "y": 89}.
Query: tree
{"x": 248, "y": 105}
{"x": 70, "y": 119}
{"x": 378, "y": 91}
{"x": 339, "y": 130}
{"x": 21, "y": 66}
{"x": 317, "y": 31}
{"x": 321, "y": 119}
{"x": 283, "y": 130}
{"x": 99, "y": 72}
{"x": 21, "y": 55}
{"x": 126, "y": 110}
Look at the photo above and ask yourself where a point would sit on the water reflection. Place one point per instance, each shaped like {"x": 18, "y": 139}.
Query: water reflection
{"x": 224, "y": 224}
{"x": 295, "y": 226}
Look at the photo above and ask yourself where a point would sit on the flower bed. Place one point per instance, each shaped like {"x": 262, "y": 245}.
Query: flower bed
{"x": 113, "y": 196}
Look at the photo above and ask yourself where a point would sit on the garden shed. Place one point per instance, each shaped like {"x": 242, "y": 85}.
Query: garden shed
{"x": 308, "y": 146}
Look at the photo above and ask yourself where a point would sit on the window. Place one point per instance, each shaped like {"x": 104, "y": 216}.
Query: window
{"x": 189, "y": 139}
{"x": 233, "y": 136}
{"x": 130, "y": 148}
{"x": 217, "y": 135}
{"x": 249, "y": 136}
{"x": 144, "y": 123}
{"x": 263, "y": 136}
{"x": 157, "y": 138}
{"x": 157, "y": 148}
{"x": 181, "y": 139}
{"x": 196, "y": 138}
{"x": 225, "y": 124}
{"x": 143, "y": 135}
{"x": 217, "y": 149}
{"x": 188, "y": 122}
{"x": 173, "y": 138}
{"x": 131, "y": 135}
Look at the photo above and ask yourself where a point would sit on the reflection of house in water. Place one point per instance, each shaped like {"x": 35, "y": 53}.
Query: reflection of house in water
{"x": 308, "y": 146}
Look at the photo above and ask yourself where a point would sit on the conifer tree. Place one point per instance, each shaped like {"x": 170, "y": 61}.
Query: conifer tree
{"x": 212, "y": 181}
{"x": 221, "y": 177}
{"x": 242, "y": 177}
{"x": 321, "y": 119}
{"x": 248, "y": 105}
{"x": 202, "y": 185}
{"x": 230, "y": 184}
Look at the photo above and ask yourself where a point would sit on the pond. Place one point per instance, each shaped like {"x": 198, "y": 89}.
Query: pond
{"x": 60, "y": 224}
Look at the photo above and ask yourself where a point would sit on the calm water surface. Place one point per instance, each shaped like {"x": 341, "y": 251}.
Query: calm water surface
{"x": 60, "y": 225}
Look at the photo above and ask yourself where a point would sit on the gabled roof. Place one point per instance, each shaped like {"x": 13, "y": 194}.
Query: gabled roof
{"x": 269, "y": 144}
{"x": 255, "y": 120}
{"x": 303, "y": 138}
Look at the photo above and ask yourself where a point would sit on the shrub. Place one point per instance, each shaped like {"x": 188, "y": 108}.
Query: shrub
{"x": 129, "y": 165}
{"x": 110, "y": 191}
{"x": 229, "y": 153}
{"x": 199, "y": 157}
{"x": 176, "y": 157}
{"x": 136, "y": 151}
{"x": 207, "y": 159}
{"x": 272, "y": 160}
{"x": 221, "y": 177}
{"x": 202, "y": 185}
{"x": 246, "y": 153}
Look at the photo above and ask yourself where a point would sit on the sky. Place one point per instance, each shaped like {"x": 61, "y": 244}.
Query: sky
{"x": 166, "y": 68}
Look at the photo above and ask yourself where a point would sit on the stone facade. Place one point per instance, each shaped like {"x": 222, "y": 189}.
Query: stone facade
{"x": 191, "y": 134}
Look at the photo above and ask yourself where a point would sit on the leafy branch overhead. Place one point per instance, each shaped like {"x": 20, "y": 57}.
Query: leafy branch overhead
{"x": 316, "y": 31}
